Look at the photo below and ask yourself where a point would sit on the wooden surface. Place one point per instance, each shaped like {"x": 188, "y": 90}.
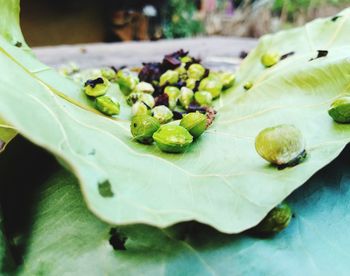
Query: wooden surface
{"x": 216, "y": 52}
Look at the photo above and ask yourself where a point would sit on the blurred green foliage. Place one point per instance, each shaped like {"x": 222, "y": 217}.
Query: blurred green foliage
{"x": 294, "y": 6}
{"x": 180, "y": 20}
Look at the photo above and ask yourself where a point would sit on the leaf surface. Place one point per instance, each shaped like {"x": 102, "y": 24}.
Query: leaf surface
{"x": 220, "y": 181}
{"x": 67, "y": 239}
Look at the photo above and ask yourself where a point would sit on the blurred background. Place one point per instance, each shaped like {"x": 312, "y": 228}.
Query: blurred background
{"x": 52, "y": 22}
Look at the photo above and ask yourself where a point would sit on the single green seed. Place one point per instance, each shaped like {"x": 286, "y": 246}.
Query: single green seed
{"x": 172, "y": 138}
{"x": 191, "y": 83}
{"x": 248, "y": 85}
{"x": 340, "y": 110}
{"x": 133, "y": 98}
{"x": 270, "y": 59}
{"x": 140, "y": 108}
{"x": 276, "y": 220}
{"x": 280, "y": 145}
{"x": 181, "y": 70}
{"x": 162, "y": 113}
{"x": 97, "y": 87}
{"x": 186, "y": 97}
{"x": 173, "y": 94}
{"x": 212, "y": 85}
{"x": 143, "y": 127}
{"x": 196, "y": 71}
{"x": 195, "y": 123}
{"x": 144, "y": 87}
{"x": 107, "y": 106}
{"x": 203, "y": 98}
{"x": 227, "y": 79}
{"x": 169, "y": 77}
{"x": 108, "y": 73}
{"x": 127, "y": 81}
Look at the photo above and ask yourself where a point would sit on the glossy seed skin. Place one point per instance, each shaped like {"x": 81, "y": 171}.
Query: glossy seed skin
{"x": 195, "y": 123}
{"x": 143, "y": 127}
{"x": 172, "y": 138}
{"x": 280, "y": 144}
{"x": 270, "y": 59}
{"x": 340, "y": 110}
{"x": 107, "y": 106}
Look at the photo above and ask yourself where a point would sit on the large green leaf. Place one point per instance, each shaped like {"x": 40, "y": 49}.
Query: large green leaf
{"x": 221, "y": 180}
{"x": 67, "y": 240}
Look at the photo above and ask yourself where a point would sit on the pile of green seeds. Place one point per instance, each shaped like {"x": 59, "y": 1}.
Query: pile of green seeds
{"x": 170, "y": 101}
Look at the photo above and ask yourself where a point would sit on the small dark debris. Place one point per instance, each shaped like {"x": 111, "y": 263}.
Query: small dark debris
{"x": 287, "y": 55}
{"x": 150, "y": 72}
{"x": 196, "y": 86}
{"x": 105, "y": 189}
{"x": 162, "y": 99}
{"x": 18, "y": 44}
{"x": 180, "y": 84}
{"x": 177, "y": 115}
{"x": 320, "y": 54}
{"x": 173, "y": 60}
{"x": 335, "y": 18}
{"x": 193, "y": 107}
{"x": 94, "y": 82}
{"x": 83, "y": 50}
{"x": 117, "y": 240}
{"x": 206, "y": 73}
{"x": 243, "y": 54}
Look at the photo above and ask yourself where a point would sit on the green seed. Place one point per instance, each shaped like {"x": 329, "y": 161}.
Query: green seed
{"x": 186, "y": 97}
{"x": 203, "y": 98}
{"x": 227, "y": 79}
{"x": 280, "y": 145}
{"x": 195, "y": 123}
{"x": 270, "y": 59}
{"x": 276, "y": 220}
{"x": 162, "y": 114}
{"x": 173, "y": 94}
{"x": 169, "y": 77}
{"x": 196, "y": 71}
{"x": 172, "y": 138}
{"x": 145, "y": 87}
{"x": 248, "y": 85}
{"x": 143, "y": 127}
{"x": 96, "y": 87}
{"x": 107, "y": 106}
{"x": 212, "y": 85}
{"x": 139, "y": 108}
{"x": 127, "y": 81}
{"x": 191, "y": 83}
{"x": 340, "y": 110}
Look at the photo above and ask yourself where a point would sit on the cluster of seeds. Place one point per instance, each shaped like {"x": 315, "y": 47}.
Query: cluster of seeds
{"x": 177, "y": 89}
